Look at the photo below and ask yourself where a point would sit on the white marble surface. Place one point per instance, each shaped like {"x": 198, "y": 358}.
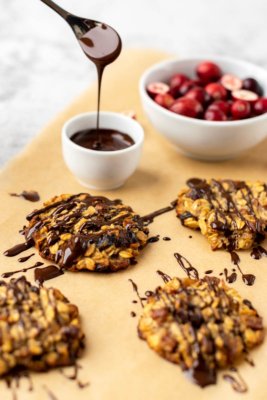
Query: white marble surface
{"x": 42, "y": 68}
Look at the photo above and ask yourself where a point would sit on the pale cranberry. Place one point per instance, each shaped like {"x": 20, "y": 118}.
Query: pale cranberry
{"x": 187, "y": 107}
{"x": 198, "y": 94}
{"x": 165, "y": 100}
{"x": 155, "y": 88}
{"x": 252, "y": 85}
{"x": 177, "y": 80}
{"x": 208, "y": 72}
{"x": 240, "y": 109}
{"x": 231, "y": 82}
{"x": 222, "y": 105}
{"x": 246, "y": 95}
{"x": 214, "y": 115}
{"x": 260, "y": 107}
{"x": 216, "y": 91}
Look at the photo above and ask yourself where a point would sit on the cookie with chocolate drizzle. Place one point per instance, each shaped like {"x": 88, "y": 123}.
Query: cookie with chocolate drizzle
{"x": 202, "y": 325}
{"x": 39, "y": 328}
{"x": 84, "y": 232}
{"x": 231, "y": 214}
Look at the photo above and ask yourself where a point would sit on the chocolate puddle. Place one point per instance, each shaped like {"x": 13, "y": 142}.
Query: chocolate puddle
{"x": 42, "y": 275}
{"x": 30, "y": 195}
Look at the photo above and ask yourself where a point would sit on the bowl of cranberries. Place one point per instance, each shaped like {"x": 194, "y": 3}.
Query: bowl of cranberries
{"x": 210, "y": 108}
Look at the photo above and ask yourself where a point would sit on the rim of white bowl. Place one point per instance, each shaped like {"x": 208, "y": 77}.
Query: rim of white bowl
{"x": 161, "y": 64}
{"x": 136, "y": 144}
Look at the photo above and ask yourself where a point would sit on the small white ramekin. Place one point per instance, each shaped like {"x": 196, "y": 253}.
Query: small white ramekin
{"x": 102, "y": 170}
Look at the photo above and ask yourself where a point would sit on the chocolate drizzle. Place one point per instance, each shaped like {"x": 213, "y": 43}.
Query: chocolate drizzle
{"x": 186, "y": 266}
{"x": 31, "y": 195}
{"x": 230, "y": 278}
{"x": 24, "y": 259}
{"x": 13, "y": 381}
{"x": 75, "y": 376}
{"x": 135, "y": 289}
{"x": 149, "y": 218}
{"x": 11, "y": 273}
{"x": 236, "y": 381}
{"x": 19, "y": 248}
{"x": 165, "y": 277}
{"x": 248, "y": 279}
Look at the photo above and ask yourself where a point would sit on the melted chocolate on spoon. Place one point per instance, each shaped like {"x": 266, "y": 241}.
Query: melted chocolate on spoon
{"x": 111, "y": 140}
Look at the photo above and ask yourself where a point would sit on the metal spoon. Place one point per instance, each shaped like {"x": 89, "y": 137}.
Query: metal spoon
{"x": 100, "y": 42}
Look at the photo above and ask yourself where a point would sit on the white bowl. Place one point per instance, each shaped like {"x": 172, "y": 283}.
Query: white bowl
{"x": 206, "y": 140}
{"x": 102, "y": 170}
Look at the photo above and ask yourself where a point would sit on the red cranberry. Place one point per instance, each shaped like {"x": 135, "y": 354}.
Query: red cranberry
{"x": 198, "y": 94}
{"x": 231, "y": 82}
{"x": 252, "y": 85}
{"x": 240, "y": 109}
{"x": 208, "y": 72}
{"x": 165, "y": 100}
{"x": 216, "y": 91}
{"x": 177, "y": 80}
{"x": 155, "y": 88}
{"x": 246, "y": 95}
{"x": 185, "y": 87}
{"x": 224, "y": 106}
{"x": 188, "y": 107}
{"x": 260, "y": 107}
{"x": 213, "y": 114}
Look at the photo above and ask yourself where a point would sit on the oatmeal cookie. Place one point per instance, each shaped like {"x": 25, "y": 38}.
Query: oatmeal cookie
{"x": 231, "y": 214}
{"x": 84, "y": 232}
{"x": 202, "y": 325}
{"x": 39, "y": 328}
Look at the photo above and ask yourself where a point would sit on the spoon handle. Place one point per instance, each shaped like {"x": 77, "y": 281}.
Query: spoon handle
{"x": 63, "y": 13}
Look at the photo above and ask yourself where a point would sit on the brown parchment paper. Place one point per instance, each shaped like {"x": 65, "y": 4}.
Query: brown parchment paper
{"x": 116, "y": 362}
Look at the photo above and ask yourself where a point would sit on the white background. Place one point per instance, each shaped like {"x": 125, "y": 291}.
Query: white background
{"x": 42, "y": 67}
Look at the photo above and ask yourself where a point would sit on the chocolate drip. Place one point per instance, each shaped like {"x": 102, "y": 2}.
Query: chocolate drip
{"x": 166, "y": 238}
{"x": 133, "y": 314}
{"x": 248, "y": 279}
{"x": 11, "y": 273}
{"x": 135, "y": 289}
{"x": 186, "y": 266}
{"x": 42, "y": 275}
{"x": 24, "y": 259}
{"x": 237, "y": 382}
{"x": 201, "y": 374}
{"x": 75, "y": 376}
{"x": 153, "y": 239}
{"x": 258, "y": 252}
{"x": 149, "y": 218}
{"x": 209, "y": 271}
{"x": 13, "y": 381}
{"x": 166, "y": 278}
{"x": 19, "y": 248}
{"x": 31, "y": 195}
{"x": 230, "y": 278}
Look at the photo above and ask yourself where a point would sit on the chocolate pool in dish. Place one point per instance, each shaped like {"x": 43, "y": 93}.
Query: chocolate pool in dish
{"x": 111, "y": 140}
{"x": 84, "y": 232}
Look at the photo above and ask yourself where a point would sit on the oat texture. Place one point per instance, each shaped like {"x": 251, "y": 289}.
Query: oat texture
{"x": 39, "y": 328}
{"x": 230, "y": 214}
{"x": 201, "y": 325}
{"x": 83, "y": 232}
